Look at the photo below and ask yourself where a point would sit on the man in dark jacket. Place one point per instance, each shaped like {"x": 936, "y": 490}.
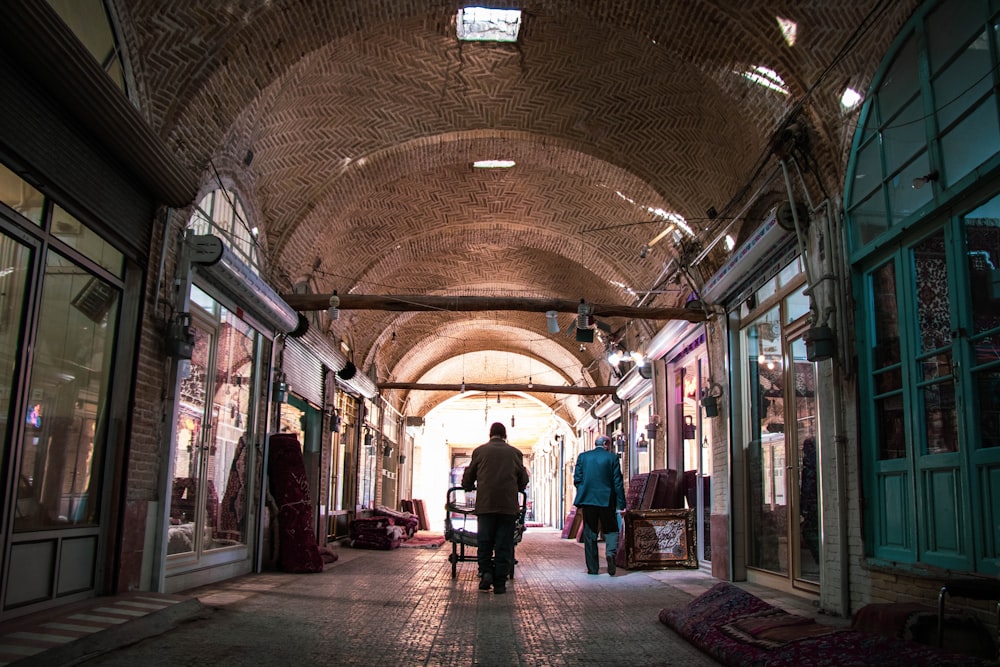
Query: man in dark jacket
{"x": 496, "y": 472}
{"x": 599, "y": 490}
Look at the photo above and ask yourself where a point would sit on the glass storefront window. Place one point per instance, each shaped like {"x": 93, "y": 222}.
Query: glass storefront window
{"x": 60, "y": 466}
{"x": 77, "y": 235}
{"x": 17, "y": 194}
{"x": 15, "y": 264}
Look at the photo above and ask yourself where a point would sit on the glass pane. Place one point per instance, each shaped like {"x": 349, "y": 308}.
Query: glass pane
{"x": 75, "y": 234}
{"x": 796, "y": 304}
{"x": 885, "y": 315}
{"x": 805, "y": 432}
{"x": 767, "y": 290}
{"x": 974, "y": 140}
{"x": 869, "y": 219}
{"x": 904, "y": 136}
{"x": 61, "y": 453}
{"x": 936, "y": 367}
{"x": 891, "y": 427}
{"x": 940, "y": 417}
{"x": 988, "y": 404}
{"x": 867, "y": 171}
{"x": 227, "y": 458}
{"x": 901, "y": 81}
{"x": 933, "y": 303}
{"x": 888, "y": 380}
{"x": 88, "y": 20}
{"x": 963, "y": 82}
{"x": 15, "y": 264}
{"x": 768, "y": 547}
{"x": 904, "y": 198}
{"x": 189, "y": 447}
{"x": 20, "y": 196}
{"x": 949, "y": 26}
{"x": 982, "y": 234}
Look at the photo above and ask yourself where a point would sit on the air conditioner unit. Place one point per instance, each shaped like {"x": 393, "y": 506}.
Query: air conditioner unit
{"x": 226, "y": 272}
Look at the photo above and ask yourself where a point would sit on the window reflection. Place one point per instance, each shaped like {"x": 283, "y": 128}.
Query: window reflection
{"x": 14, "y": 267}
{"x": 67, "y": 400}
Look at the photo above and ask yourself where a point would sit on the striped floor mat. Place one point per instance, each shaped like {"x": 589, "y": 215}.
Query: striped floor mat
{"x": 59, "y": 627}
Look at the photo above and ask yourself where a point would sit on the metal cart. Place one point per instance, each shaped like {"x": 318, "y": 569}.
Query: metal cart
{"x": 460, "y": 526}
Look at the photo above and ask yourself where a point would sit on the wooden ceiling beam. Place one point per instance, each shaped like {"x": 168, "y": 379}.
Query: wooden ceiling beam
{"x": 408, "y": 303}
{"x": 475, "y": 386}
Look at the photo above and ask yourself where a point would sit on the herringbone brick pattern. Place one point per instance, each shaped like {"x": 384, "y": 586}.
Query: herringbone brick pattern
{"x": 363, "y": 119}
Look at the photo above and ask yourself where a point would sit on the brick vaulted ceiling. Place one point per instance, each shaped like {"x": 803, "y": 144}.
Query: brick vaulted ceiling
{"x": 363, "y": 118}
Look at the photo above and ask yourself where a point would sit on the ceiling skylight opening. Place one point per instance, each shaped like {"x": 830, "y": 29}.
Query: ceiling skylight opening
{"x": 628, "y": 199}
{"x": 628, "y": 290}
{"x": 482, "y": 24}
{"x": 677, "y": 220}
{"x": 493, "y": 164}
{"x": 789, "y": 29}
{"x": 850, "y": 99}
{"x": 767, "y": 77}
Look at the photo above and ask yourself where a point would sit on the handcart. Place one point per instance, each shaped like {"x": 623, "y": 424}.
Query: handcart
{"x": 460, "y": 526}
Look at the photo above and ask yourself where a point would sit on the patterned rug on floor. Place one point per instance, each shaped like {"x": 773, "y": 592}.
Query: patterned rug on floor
{"x": 738, "y": 628}
{"x": 423, "y": 541}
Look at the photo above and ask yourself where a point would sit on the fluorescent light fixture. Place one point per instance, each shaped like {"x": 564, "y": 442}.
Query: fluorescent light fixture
{"x": 850, "y": 99}
{"x": 730, "y": 242}
{"x": 493, "y": 164}
{"x": 482, "y": 24}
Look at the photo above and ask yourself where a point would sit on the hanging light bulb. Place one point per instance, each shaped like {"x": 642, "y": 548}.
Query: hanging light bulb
{"x": 530, "y": 385}
{"x": 551, "y": 322}
{"x": 333, "y": 312}
{"x": 498, "y": 398}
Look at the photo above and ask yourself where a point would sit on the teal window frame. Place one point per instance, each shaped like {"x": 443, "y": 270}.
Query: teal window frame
{"x": 923, "y": 508}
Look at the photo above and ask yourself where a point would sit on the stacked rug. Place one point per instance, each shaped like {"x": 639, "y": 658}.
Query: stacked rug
{"x": 738, "y": 628}
{"x": 410, "y": 523}
{"x": 376, "y": 532}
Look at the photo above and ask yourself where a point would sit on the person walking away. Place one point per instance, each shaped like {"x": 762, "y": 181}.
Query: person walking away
{"x": 600, "y": 489}
{"x": 496, "y": 473}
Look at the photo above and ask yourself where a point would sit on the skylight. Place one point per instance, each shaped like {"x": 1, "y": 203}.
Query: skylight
{"x": 493, "y": 164}
{"x": 767, "y": 77}
{"x": 789, "y": 30}
{"x": 482, "y": 24}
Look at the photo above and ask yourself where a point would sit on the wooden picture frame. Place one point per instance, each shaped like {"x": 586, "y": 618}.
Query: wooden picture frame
{"x": 660, "y": 539}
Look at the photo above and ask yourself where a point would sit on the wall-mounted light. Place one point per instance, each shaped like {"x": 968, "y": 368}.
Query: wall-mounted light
{"x": 924, "y": 180}
{"x": 710, "y": 400}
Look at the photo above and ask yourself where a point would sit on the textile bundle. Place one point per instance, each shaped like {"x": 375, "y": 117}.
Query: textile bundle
{"x": 376, "y": 532}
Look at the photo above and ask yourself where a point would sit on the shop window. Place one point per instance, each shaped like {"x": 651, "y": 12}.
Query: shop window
{"x": 16, "y": 193}
{"x": 221, "y": 213}
{"x": 60, "y": 458}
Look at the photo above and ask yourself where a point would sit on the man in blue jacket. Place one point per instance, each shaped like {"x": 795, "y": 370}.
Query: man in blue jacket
{"x": 600, "y": 489}
{"x": 497, "y": 474}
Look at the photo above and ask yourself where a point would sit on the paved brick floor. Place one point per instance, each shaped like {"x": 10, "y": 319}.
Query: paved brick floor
{"x": 402, "y": 607}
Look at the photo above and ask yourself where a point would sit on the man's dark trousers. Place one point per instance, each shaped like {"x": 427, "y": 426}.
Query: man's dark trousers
{"x": 495, "y": 533}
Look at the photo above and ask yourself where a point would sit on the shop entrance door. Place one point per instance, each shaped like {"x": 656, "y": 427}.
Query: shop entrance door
{"x": 782, "y": 456}
{"x": 209, "y": 495}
